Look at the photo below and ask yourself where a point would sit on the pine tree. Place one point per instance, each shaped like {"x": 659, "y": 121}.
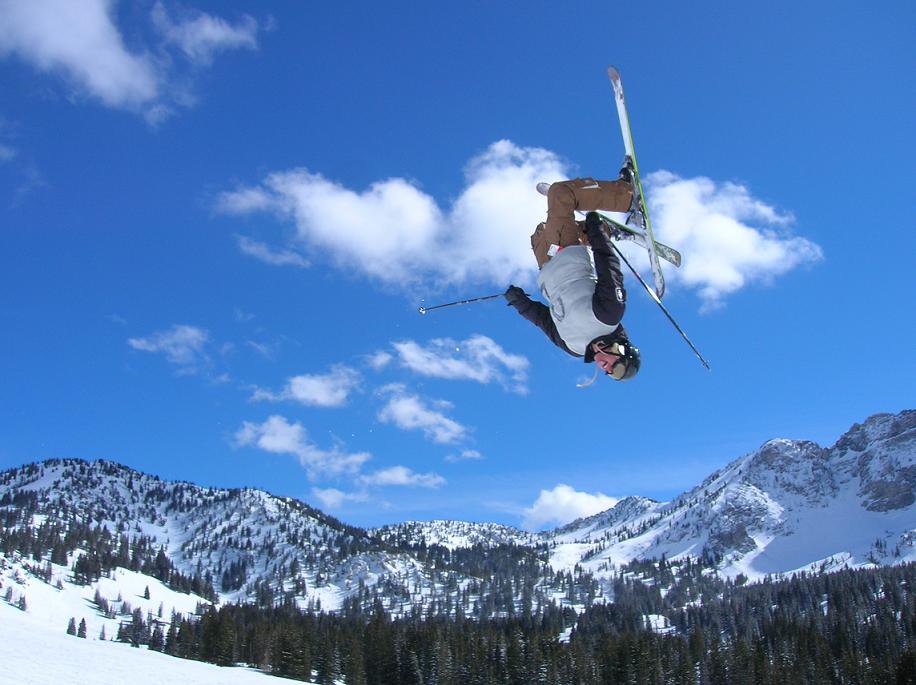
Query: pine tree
{"x": 157, "y": 640}
{"x": 71, "y": 627}
{"x": 22, "y": 604}
{"x": 102, "y": 636}
{"x": 146, "y": 593}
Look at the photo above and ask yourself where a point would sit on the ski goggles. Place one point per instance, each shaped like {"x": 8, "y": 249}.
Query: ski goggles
{"x": 620, "y": 367}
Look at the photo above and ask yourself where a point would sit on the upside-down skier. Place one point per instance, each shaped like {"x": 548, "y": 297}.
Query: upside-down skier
{"x": 580, "y": 276}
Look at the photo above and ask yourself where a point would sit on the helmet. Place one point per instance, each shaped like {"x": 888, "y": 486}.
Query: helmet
{"x": 627, "y": 366}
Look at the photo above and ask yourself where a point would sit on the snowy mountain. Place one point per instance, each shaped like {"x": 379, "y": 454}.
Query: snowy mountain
{"x": 787, "y": 506}
{"x": 790, "y": 505}
{"x": 246, "y": 545}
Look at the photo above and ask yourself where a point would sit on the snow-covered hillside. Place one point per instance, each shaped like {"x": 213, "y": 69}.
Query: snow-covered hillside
{"x": 256, "y": 547}
{"x": 32, "y": 654}
{"x": 453, "y": 534}
{"x": 40, "y": 601}
{"x": 790, "y": 505}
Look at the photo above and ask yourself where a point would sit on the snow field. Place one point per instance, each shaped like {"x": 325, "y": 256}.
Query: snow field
{"x": 34, "y": 654}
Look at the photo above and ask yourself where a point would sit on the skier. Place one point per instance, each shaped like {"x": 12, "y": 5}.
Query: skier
{"x": 580, "y": 276}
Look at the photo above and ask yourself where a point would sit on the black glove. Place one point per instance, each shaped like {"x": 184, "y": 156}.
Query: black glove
{"x": 515, "y": 295}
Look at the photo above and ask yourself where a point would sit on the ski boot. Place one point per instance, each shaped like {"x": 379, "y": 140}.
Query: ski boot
{"x": 635, "y": 214}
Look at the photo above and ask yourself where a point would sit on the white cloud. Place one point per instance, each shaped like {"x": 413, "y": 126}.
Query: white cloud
{"x": 269, "y": 255}
{"x": 320, "y": 390}
{"x": 478, "y": 358}
{"x": 399, "y": 235}
{"x": 80, "y": 41}
{"x": 379, "y": 360}
{"x": 401, "y": 475}
{"x": 410, "y": 412}
{"x": 6, "y": 153}
{"x": 332, "y": 498}
{"x": 402, "y": 237}
{"x": 464, "y": 455}
{"x": 279, "y": 436}
{"x": 564, "y": 504}
{"x": 728, "y": 238}
{"x": 182, "y": 345}
{"x": 200, "y": 36}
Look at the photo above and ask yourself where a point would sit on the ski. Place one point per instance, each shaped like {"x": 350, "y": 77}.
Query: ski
{"x": 640, "y": 214}
{"x": 619, "y": 231}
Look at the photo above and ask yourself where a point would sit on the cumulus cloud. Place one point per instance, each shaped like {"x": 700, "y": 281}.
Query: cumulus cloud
{"x": 269, "y": 255}
{"x": 401, "y": 475}
{"x": 728, "y": 237}
{"x": 564, "y": 504}
{"x": 319, "y": 390}
{"x": 478, "y": 358}
{"x": 279, "y": 436}
{"x": 182, "y": 345}
{"x": 402, "y": 236}
{"x": 410, "y": 412}
{"x": 81, "y": 42}
{"x": 200, "y": 36}
{"x": 464, "y": 455}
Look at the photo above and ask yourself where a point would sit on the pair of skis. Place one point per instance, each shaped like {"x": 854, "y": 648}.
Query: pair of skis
{"x": 640, "y": 215}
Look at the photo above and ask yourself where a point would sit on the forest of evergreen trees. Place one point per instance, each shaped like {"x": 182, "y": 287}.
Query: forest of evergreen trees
{"x": 854, "y": 626}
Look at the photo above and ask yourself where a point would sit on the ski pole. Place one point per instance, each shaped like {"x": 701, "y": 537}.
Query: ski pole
{"x": 423, "y": 310}
{"x": 659, "y": 303}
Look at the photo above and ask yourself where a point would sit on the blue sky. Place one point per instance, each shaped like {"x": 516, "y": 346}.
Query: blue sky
{"x": 217, "y": 222}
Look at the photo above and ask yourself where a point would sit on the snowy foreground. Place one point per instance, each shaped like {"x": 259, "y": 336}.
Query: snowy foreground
{"x": 32, "y": 654}
{"x": 36, "y": 650}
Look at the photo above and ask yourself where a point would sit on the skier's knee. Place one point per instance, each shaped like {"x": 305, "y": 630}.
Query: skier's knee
{"x": 560, "y": 194}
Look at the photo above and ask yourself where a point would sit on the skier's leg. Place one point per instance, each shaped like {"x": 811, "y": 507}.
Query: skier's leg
{"x": 612, "y": 196}
{"x": 586, "y": 195}
{"x": 563, "y": 198}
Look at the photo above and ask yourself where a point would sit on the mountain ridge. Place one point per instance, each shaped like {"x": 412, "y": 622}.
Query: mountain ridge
{"x": 770, "y": 511}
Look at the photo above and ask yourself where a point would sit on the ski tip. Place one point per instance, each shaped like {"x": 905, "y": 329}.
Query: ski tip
{"x": 613, "y": 73}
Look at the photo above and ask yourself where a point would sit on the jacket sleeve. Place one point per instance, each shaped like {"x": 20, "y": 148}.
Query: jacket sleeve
{"x": 539, "y": 314}
{"x": 610, "y": 298}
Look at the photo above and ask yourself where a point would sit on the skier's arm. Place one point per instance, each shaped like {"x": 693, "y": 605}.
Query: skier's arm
{"x": 538, "y": 314}
{"x": 610, "y": 298}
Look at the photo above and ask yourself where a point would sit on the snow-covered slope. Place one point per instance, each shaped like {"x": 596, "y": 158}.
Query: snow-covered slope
{"x": 33, "y": 654}
{"x": 453, "y": 534}
{"x": 790, "y": 505}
